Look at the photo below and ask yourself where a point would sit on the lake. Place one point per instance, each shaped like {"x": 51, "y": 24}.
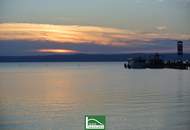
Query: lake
{"x": 57, "y": 96}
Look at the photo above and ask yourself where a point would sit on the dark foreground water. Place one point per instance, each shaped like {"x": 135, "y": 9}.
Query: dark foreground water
{"x": 57, "y": 96}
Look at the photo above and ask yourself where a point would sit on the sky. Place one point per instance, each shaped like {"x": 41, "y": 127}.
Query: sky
{"x": 37, "y": 27}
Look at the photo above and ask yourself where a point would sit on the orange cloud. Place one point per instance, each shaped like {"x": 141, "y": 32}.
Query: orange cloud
{"x": 80, "y": 34}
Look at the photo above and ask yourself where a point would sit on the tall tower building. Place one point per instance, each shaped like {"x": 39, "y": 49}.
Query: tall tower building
{"x": 180, "y": 48}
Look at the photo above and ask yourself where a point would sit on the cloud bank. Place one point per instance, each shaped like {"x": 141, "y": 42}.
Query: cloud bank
{"x": 89, "y": 37}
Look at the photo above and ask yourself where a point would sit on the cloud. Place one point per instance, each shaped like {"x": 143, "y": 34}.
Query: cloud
{"x": 56, "y": 33}
{"x": 161, "y": 28}
{"x": 80, "y": 34}
{"x": 24, "y": 38}
{"x": 14, "y": 47}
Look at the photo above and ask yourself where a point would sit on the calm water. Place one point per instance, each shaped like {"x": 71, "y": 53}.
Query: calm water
{"x": 56, "y": 96}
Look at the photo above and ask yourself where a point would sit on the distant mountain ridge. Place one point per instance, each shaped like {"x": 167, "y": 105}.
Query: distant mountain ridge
{"x": 89, "y": 57}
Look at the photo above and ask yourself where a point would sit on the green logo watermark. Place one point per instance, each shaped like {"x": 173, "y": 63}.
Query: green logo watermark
{"x": 95, "y": 122}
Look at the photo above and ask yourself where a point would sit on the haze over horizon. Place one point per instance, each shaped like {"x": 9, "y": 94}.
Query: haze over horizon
{"x": 33, "y": 27}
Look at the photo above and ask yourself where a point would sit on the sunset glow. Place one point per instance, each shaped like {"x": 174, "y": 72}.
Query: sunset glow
{"x": 32, "y": 38}
{"x": 112, "y": 26}
{"x": 57, "y": 51}
{"x": 80, "y": 34}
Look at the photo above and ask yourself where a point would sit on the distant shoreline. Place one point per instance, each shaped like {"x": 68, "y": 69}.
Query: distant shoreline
{"x": 89, "y": 57}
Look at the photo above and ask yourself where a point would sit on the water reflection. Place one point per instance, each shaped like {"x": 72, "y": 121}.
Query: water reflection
{"x": 58, "y": 95}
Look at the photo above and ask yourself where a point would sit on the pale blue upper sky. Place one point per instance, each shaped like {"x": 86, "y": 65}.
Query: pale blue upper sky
{"x": 139, "y": 15}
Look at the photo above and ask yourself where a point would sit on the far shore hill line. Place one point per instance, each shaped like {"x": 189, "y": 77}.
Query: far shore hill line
{"x": 91, "y": 57}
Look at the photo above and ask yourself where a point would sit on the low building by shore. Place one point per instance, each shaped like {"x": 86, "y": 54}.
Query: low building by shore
{"x": 157, "y": 62}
